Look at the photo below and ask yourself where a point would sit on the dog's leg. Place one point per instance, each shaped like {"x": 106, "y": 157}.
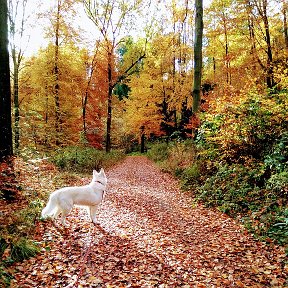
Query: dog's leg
{"x": 64, "y": 215}
{"x": 93, "y": 211}
{"x": 65, "y": 208}
{"x": 57, "y": 213}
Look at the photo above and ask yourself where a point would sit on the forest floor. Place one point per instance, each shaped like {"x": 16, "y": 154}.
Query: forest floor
{"x": 150, "y": 234}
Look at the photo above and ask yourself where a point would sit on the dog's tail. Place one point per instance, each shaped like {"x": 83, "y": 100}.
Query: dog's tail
{"x": 50, "y": 208}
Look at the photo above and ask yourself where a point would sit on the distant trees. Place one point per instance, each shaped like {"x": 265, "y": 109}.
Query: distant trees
{"x": 68, "y": 91}
{"x": 245, "y": 41}
{"x": 6, "y": 148}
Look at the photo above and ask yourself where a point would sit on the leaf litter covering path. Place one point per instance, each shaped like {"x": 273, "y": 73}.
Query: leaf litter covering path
{"x": 150, "y": 234}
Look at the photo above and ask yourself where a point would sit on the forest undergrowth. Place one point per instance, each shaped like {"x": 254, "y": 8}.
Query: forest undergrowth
{"x": 238, "y": 162}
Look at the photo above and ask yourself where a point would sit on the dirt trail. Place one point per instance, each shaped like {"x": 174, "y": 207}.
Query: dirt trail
{"x": 150, "y": 234}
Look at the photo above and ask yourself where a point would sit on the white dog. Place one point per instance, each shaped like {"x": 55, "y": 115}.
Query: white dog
{"x": 91, "y": 195}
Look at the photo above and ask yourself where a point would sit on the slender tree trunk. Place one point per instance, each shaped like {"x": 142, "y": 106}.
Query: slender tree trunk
{"x": 270, "y": 77}
{"x": 262, "y": 10}
{"x": 46, "y": 115}
{"x": 142, "y": 144}
{"x": 56, "y": 75}
{"x": 16, "y": 65}
{"x": 214, "y": 69}
{"x": 84, "y": 106}
{"x": 86, "y": 94}
{"x": 6, "y": 148}
{"x": 109, "y": 102}
{"x": 227, "y": 60}
{"x": 198, "y": 55}
{"x": 285, "y": 26}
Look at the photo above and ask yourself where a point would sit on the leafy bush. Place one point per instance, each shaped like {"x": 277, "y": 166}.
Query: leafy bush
{"x": 277, "y": 159}
{"x": 84, "y": 159}
{"x": 172, "y": 157}
{"x": 5, "y": 277}
{"x": 279, "y": 183}
{"x": 190, "y": 176}
{"x": 244, "y": 130}
{"x": 23, "y": 249}
{"x": 19, "y": 250}
{"x": 158, "y": 152}
{"x": 279, "y": 229}
{"x": 230, "y": 189}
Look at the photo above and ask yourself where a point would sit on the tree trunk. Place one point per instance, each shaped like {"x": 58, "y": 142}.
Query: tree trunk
{"x": 6, "y": 148}
{"x": 16, "y": 65}
{"x": 227, "y": 60}
{"x": 262, "y": 10}
{"x": 109, "y": 102}
{"x": 84, "y": 105}
{"x": 270, "y": 78}
{"x": 142, "y": 144}
{"x": 90, "y": 72}
{"x": 56, "y": 75}
{"x": 285, "y": 27}
{"x": 198, "y": 55}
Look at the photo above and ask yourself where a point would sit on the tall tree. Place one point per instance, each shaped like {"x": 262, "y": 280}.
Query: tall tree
{"x": 60, "y": 33}
{"x": 262, "y": 7}
{"x": 110, "y": 18}
{"x": 6, "y": 148}
{"x": 90, "y": 67}
{"x": 197, "y": 55}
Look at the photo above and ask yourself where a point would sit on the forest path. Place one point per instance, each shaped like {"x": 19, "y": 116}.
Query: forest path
{"x": 150, "y": 234}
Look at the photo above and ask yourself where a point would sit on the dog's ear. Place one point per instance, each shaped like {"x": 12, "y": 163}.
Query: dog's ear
{"x": 94, "y": 173}
{"x": 101, "y": 171}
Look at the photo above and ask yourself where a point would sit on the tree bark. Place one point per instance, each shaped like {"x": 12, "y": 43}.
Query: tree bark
{"x": 270, "y": 76}
{"x": 142, "y": 144}
{"x": 261, "y": 6}
{"x": 198, "y": 55}
{"x": 285, "y": 26}
{"x": 6, "y": 148}
{"x": 16, "y": 65}
{"x": 109, "y": 102}
{"x": 56, "y": 75}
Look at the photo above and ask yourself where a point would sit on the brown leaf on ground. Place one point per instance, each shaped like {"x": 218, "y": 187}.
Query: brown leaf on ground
{"x": 150, "y": 234}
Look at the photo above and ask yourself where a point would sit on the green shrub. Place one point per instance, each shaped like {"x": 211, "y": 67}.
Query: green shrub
{"x": 271, "y": 222}
{"x": 23, "y": 249}
{"x": 190, "y": 176}
{"x": 279, "y": 230}
{"x": 279, "y": 183}
{"x": 231, "y": 188}
{"x": 5, "y": 277}
{"x": 276, "y": 160}
{"x": 158, "y": 152}
{"x": 3, "y": 246}
{"x": 84, "y": 159}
